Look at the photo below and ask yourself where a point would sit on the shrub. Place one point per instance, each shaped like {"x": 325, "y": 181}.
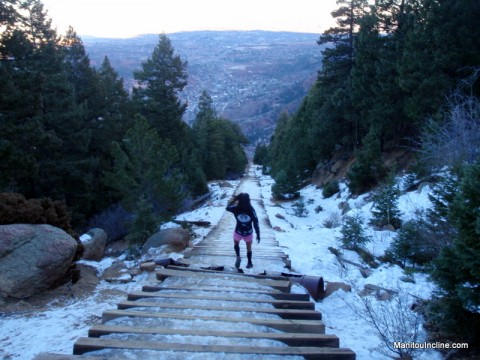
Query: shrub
{"x": 14, "y": 209}
{"x": 113, "y": 221}
{"x": 330, "y": 189}
{"x": 455, "y": 140}
{"x": 299, "y": 208}
{"x": 334, "y": 220}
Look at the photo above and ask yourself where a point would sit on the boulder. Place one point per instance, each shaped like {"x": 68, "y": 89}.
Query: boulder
{"x": 33, "y": 258}
{"x": 331, "y": 287}
{"x": 118, "y": 272}
{"x": 172, "y": 240}
{"x": 94, "y": 242}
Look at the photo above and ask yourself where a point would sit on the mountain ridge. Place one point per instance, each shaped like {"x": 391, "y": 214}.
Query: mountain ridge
{"x": 252, "y": 76}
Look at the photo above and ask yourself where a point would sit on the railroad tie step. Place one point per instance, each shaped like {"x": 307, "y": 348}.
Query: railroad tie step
{"x": 291, "y": 339}
{"x": 279, "y": 304}
{"x": 285, "y": 325}
{"x": 294, "y": 314}
{"x": 85, "y": 345}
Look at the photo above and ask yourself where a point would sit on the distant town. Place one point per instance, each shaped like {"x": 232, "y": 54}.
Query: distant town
{"x": 252, "y": 76}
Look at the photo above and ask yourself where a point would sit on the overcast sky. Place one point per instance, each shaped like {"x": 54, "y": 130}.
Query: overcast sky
{"x": 126, "y": 18}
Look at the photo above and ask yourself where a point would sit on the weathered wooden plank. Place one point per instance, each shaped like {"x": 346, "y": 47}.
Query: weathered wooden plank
{"x": 279, "y": 304}
{"x": 283, "y": 313}
{"x": 291, "y": 339}
{"x": 283, "y": 285}
{"x": 294, "y": 326}
{"x": 276, "y": 294}
{"x": 230, "y": 253}
{"x": 267, "y": 276}
{"x": 51, "y": 356}
{"x": 187, "y": 255}
{"x": 83, "y": 345}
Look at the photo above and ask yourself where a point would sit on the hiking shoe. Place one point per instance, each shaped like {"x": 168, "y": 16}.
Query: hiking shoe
{"x": 249, "y": 265}
{"x": 237, "y": 262}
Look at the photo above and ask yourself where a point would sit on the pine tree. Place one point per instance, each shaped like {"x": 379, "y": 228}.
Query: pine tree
{"x": 146, "y": 167}
{"x": 219, "y": 142}
{"x": 353, "y": 232}
{"x": 457, "y": 269}
{"x": 161, "y": 79}
{"x": 385, "y": 206}
{"x": 368, "y": 169}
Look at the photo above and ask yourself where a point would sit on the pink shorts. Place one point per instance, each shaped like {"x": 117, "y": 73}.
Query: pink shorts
{"x": 247, "y": 238}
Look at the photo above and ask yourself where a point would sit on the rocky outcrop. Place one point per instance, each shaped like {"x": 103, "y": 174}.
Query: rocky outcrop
{"x": 33, "y": 258}
{"x": 173, "y": 239}
{"x": 94, "y": 242}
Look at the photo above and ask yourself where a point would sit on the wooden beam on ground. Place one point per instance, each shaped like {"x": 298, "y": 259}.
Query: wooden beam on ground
{"x": 283, "y": 285}
{"x": 192, "y": 222}
{"x": 291, "y": 339}
{"x": 276, "y": 294}
{"x": 279, "y": 304}
{"x": 283, "y": 313}
{"x": 51, "y": 356}
{"x": 294, "y": 326}
{"x": 83, "y": 345}
{"x": 272, "y": 276}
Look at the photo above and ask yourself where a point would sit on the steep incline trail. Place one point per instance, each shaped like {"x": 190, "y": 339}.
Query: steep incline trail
{"x": 217, "y": 247}
{"x": 204, "y": 308}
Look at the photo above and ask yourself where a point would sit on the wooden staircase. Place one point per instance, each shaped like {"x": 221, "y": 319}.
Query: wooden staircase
{"x": 198, "y": 311}
{"x": 216, "y": 314}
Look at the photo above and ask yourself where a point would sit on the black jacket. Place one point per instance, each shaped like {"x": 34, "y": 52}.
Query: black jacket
{"x": 245, "y": 220}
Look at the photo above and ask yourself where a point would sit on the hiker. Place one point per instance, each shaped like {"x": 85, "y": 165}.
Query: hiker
{"x": 245, "y": 215}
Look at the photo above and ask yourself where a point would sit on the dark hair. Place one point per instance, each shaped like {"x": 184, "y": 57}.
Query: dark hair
{"x": 244, "y": 201}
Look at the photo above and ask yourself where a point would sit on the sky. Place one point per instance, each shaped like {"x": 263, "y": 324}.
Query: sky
{"x": 128, "y": 18}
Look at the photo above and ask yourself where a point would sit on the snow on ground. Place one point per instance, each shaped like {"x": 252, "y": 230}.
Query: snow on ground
{"x": 305, "y": 239}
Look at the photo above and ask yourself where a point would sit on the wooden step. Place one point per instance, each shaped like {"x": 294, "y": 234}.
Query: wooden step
{"x": 51, "y": 356}
{"x": 291, "y": 339}
{"x": 283, "y": 313}
{"x": 228, "y": 253}
{"x": 283, "y": 285}
{"x": 265, "y": 275}
{"x": 83, "y": 345}
{"x": 279, "y": 304}
{"x": 276, "y": 294}
{"x": 295, "y": 326}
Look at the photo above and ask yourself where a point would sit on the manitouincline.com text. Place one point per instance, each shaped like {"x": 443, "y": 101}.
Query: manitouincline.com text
{"x": 427, "y": 345}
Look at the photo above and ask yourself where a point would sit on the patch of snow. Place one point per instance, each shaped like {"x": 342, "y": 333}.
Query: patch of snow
{"x": 307, "y": 241}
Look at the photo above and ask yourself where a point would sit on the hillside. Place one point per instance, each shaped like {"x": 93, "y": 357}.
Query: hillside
{"x": 252, "y": 76}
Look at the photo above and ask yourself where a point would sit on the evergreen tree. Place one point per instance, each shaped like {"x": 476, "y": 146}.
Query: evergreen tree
{"x": 385, "y": 206}
{"x": 219, "y": 142}
{"x": 368, "y": 169}
{"x": 81, "y": 75}
{"x": 147, "y": 167}
{"x": 43, "y": 127}
{"x": 286, "y": 186}
{"x": 456, "y": 270}
{"x": 353, "y": 232}
{"x": 162, "y": 78}
{"x": 144, "y": 224}
{"x": 155, "y": 97}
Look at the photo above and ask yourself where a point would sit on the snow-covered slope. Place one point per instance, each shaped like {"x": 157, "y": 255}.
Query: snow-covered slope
{"x": 305, "y": 239}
